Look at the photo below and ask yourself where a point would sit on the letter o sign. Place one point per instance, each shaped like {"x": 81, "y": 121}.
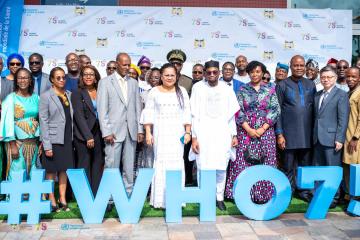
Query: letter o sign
{"x": 275, "y": 206}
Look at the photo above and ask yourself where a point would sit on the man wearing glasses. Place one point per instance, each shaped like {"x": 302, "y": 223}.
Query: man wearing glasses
{"x": 40, "y": 79}
{"x": 341, "y": 68}
{"x": 144, "y": 64}
{"x": 330, "y": 123}
{"x": 213, "y": 108}
{"x": 110, "y": 67}
{"x": 178, "y": 57}
{"x": 197, "y": 73}
{"x": 228, "y": 71}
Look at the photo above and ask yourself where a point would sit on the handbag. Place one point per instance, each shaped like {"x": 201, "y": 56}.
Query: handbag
{"x": 253, "y": 154}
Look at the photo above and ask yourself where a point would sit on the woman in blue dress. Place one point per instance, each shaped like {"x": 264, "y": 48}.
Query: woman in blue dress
{"x": 19, "y": 125}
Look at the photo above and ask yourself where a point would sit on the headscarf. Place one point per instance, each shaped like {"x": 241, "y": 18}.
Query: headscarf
{"x": 143, "y": 59}
{"x": 15, "y": 56}
{"x": 312, "y": 64}
{"x": 332, "y": 60}
{"x": 133, "y": 66}
{"x": 282, "y": 66}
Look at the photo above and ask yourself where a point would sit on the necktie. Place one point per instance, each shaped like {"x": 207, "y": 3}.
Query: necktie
{"x": 323, "y": 100}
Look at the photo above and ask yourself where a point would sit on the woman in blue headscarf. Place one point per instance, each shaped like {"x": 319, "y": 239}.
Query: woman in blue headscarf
{"x": 14, "y": 62}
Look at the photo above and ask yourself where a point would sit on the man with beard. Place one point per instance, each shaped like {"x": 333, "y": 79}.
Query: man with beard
{"x": 294, "y": 126}
{"x": 241, "y": 64}
{"x": 213, "y": 109}
{"x": 312, "y": 73}
{"x": 72, "y": 62}
{"x": 281, "y": 72}
{"x": 177, "y": 58}
{"x": 341, "y": 68}
{"x": 40, "y": 79}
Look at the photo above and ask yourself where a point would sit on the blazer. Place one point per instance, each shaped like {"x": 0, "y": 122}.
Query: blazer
{"x": 353, "y": 129}
{"x": 84, "y": 115}
{"x": 115, "y": 115}
{"x": 331, "y": 119}
{"x": 45, "y": 84}
{"x": 7, "y": 87}
{"x": 52, "y": 118}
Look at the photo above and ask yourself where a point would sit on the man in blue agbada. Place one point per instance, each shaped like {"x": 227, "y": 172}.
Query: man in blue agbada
{"x": 294, "y": 127}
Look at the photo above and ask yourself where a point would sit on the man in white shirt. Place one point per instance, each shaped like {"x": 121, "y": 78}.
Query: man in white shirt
{"x": 213, "y": 108}
{"x": 241, "y": 64}
{"x": 330, "y": 123}
{"x": 119, "y": 108}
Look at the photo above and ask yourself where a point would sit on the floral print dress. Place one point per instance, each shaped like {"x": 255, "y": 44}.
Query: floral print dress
{"x": 256, "y": 108}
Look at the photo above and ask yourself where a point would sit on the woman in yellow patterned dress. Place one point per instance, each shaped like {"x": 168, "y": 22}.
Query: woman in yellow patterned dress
{"x": 19, "y": 126}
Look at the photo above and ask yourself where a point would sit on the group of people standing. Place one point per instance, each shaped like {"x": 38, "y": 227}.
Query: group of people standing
{"x": 140, "y": 116}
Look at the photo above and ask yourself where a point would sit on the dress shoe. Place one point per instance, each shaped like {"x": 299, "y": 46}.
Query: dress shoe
{"x": 109, "y": 207}
{"x": 350, "y": 214}
{"x": 305, "y": 197}
{"x": 221, "y": 205}
{"x": 333, "y": 205}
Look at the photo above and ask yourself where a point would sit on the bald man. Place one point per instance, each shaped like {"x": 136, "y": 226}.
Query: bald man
{"x": 294, "y": 127}
{"x": 241, "y": 63}
{"x": 119, "y": 107}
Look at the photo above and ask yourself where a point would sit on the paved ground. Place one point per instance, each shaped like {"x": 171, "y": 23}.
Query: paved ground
{"x": 288, "y": 226}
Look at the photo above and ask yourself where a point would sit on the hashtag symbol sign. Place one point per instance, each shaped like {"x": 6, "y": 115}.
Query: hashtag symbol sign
{"x": 15, "y": 205}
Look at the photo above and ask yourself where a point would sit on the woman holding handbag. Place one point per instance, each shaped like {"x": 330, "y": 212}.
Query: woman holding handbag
{"x": 259, "y": 110}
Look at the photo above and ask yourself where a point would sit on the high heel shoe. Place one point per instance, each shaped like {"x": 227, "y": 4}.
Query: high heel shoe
{"x": 54, "y": 208}
{"x": 64, "y": 206}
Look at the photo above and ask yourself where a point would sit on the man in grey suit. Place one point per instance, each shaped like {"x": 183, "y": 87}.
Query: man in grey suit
{"x": 119, "y": 108}
{"x": 40, "y": 79}
{"x": 330, "y": 124}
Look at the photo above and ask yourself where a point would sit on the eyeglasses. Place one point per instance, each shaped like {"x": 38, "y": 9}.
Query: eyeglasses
{"x": 58, "y": 78}
{"x": 197, "y": 72}
{"x": 265, "y": 78}
{"x": 342, "y": 67}
{"x": 326, "y": 77}
{"x": 177, "y": 63}
{"x": 215, "y": 72}
{"x": 144, "y": 67}
{"x": 15, "y": 64}
{"x": 34, "y": 63}
{"x": 111, "y": 68}
{"x": 155, "y": 78}
{"x": 89, "y": 74}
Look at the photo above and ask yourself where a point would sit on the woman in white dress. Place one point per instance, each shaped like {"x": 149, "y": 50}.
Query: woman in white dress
{"x": 167, "y": 121}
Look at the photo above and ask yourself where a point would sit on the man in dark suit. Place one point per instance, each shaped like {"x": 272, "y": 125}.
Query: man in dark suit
{"x": 330, "y": 124}
{"x": 40, "y": 79}
{"x": 294, "y": 127}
